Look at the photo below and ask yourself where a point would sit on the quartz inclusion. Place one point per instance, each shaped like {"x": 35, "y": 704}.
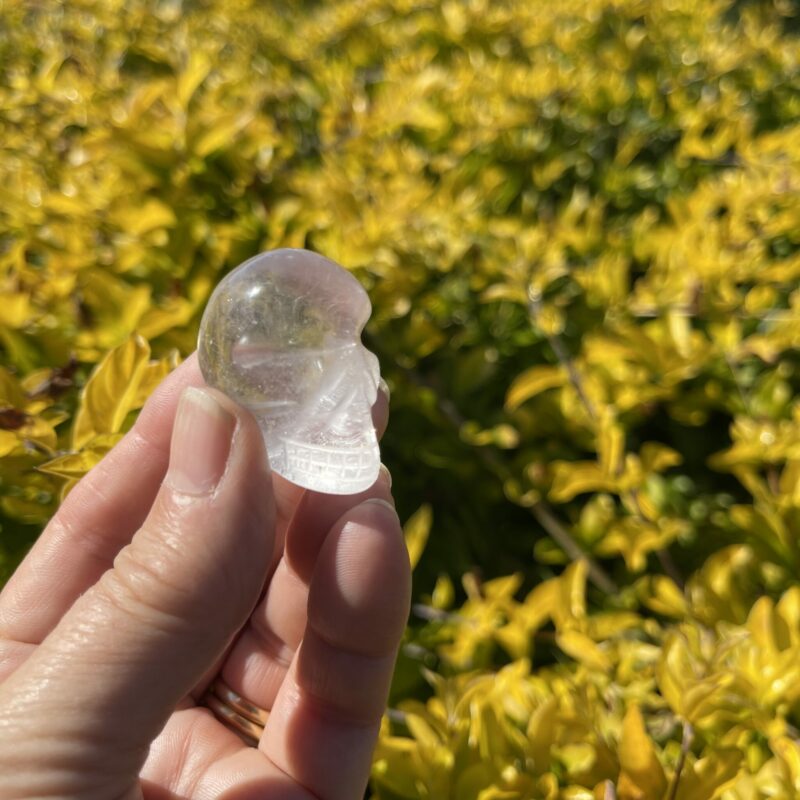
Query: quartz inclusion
{"x": 281, "y": 336}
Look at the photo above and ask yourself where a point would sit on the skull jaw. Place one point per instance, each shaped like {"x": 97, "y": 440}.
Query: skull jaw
{"x": 327, "y": 441}
{"x": 335, "y": 468}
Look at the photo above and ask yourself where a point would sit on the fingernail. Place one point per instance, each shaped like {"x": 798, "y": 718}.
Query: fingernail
{"x": 384, "y": 387}
{"x": 378, "y": 501}
{"x": 201, "y": 441}
{"x": 387, "y": 476}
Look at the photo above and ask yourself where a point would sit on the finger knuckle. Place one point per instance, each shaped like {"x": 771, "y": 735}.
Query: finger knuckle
{"x": 145, "y": 590}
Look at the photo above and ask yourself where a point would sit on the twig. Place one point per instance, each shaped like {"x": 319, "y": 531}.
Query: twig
{"x": 664, "y": 556}
{"x": 561, "y": 536}
{"x": 540, "y": 510}
{"x": 534, "y": 309}
{"x": 670, "y": 567}
{"x": 566, "y": 361}
{"x": 779, "y": 315}
{"x": 432, "y": 614}
{"x": 686, "y": 743}
{"x": 417, "y": 651}
{"x": 396, "y": 715}
{"x": 773, "y": 480}
{"x": 609, "y": 791}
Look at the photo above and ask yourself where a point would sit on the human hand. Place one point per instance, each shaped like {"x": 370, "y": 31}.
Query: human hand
{"x": 149, "y": 583}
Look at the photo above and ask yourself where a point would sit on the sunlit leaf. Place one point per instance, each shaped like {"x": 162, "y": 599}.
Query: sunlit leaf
{"x": 641, "y": 773}
{"x": 532, "y": 382}
{"x": 111, "y": 391}
{"x": 416, "y": 531}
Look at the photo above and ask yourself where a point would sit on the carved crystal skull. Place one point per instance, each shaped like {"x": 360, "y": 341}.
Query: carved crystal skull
{"x": 281, "y": 335}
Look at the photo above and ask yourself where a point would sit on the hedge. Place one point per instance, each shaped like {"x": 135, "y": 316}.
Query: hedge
{"x": 578, "y": 222}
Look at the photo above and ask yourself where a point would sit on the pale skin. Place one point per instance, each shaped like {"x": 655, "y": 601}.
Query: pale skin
{"x": 180, "y": 557}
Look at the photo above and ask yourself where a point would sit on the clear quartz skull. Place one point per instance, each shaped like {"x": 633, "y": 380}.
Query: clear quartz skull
{"x": 281, "y": 335}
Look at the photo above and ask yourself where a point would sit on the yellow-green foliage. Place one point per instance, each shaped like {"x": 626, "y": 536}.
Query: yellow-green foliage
{"x": 579, "y": 225}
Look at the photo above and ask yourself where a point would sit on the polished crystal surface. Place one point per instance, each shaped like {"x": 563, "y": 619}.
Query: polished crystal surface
{"x": 281, "y": 335}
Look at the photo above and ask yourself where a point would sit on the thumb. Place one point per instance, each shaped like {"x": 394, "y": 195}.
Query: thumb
{"x": 85, "y": 707}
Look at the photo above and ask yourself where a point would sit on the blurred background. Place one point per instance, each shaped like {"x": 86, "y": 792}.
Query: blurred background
{"x": 579, "y": 224}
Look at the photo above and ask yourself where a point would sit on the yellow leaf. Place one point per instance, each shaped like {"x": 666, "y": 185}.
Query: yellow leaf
{"x": 223, "y": 132}
{"x": 498, "y": 793}
{"x": 393, "y": 765}
{"x": 514, "y": 638}
{"x": 15, "y": 310}
{"x": 111, "y": 391}
{"x": 115, "y": 306}
{"x": 710, "y": 776}
{"x": 680, "y": 330}
{"x": 425, "y": 115}
{"x": 642, "y": 776}
{"x": 662, "y": 595}
{"x": 788, "y": 751}
{"x": 75, "y": 465}
{"x": 541, "y": 604}
{"x": 583, "y": 649}
{"x": 550, "y": 320}
{"x": 571, "y": 478}
{"x": 657, "y": 457}
{"x": 422, "y": 731}
{"x": 571, "y": 598}
{"x": 173, "y": 313}
{"x": 443, "y": 593}
{"x": 11, "y": 393}
{"x": 610, "y": 446}
{"x": 8, "y": 441}
{"x": 70, "y": 465}
{"x": 635, "y": 537}
{"x": 416, "y": 532}
{"x": 40, "y": 430}
{"x": 502, "y": 588}
{"x": 190, "y": 78}
{"x": 788, "y": 618}
{"x": 504, "y": 291}
{"x": 152, "y": 375}
{"x": 148, "y": 216}
{"x": 532, "y": 382}
{"x": 541, "y": 733}
{"x": 577, "y": 758}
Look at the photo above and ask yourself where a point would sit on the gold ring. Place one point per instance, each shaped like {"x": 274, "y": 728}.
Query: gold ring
{"x": 238, "y": 703}
{"x": 235, "y": 711}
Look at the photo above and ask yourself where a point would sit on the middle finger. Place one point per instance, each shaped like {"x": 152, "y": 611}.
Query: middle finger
{"x": 257, "y": 663}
